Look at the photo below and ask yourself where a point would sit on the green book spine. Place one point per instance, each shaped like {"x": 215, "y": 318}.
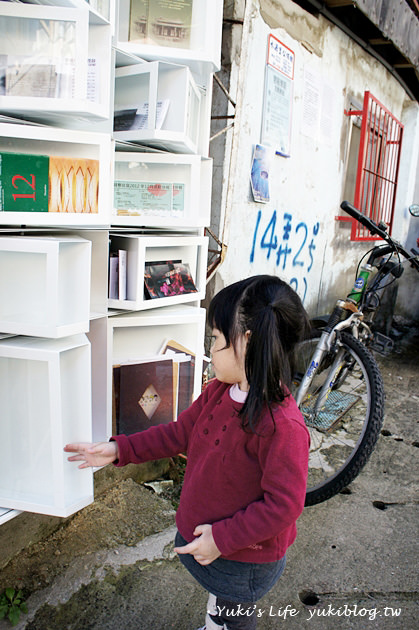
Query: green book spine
{"x": 23, "y": 182}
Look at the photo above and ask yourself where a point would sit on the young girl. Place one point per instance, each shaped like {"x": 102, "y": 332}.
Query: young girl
{"x": 247, "y": 449}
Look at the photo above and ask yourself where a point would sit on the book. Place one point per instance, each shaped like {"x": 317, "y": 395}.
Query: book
{"x": 113, "y": 289}
{"x": 168, "y": 278}
{"x": 143, "y": 392}
{"x": 43, "y": 183}
{"x": 122, "y": 274}
{"x": 161, "y": 22}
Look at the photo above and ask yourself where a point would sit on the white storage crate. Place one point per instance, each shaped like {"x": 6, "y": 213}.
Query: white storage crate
{"x": 45, "y": 393}
{"x": 189, "y": 250}
{"x": 45, "y": 285}
{"x": 162, "y": 190}
{"x": 157, "y": 104}
{"x": 54, "y": 177}
{"x": 56, "y": 62}
{"x": 142, "y": 335}
{"x": 190, "y": 34}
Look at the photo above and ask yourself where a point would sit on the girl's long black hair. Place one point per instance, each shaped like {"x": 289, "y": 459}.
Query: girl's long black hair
{"x": 272, "y": 312}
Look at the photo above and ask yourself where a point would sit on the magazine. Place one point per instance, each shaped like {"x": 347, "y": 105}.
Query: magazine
{"x": 168, "y": 278}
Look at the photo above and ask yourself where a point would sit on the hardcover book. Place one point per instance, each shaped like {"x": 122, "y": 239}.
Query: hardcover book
{"x": 169, "y": 278}
{"x": 43, "y": 183}
{"x": 143, "y": 394}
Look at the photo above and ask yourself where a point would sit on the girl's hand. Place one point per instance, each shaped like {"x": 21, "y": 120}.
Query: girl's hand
{"x": 203, "y": 548}
{"x": 97, "y": 454}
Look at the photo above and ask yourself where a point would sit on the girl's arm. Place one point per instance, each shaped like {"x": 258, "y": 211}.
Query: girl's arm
{"x": 163, "y": 440}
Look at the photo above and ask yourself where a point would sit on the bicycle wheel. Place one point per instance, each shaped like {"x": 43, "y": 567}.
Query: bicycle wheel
{"x": 345, "y": 430}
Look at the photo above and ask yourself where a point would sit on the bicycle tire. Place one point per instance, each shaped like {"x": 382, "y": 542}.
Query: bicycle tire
{"x": 345, "y": 431}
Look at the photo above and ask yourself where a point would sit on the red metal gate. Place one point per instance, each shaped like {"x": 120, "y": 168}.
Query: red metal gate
{"x": 378, "y": 165}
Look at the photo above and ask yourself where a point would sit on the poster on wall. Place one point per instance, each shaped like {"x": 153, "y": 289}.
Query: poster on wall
{"x": 278, "y": 93}
{"x": 259, "y": 175}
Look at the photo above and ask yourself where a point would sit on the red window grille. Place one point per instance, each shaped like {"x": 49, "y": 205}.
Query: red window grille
{"x": 378, "y": 165}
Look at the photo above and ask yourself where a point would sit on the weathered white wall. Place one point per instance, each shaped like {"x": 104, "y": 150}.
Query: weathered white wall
{"x": 313, "y": 250}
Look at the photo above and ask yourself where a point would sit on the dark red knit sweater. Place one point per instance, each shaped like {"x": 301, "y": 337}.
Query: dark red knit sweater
{"x": 250, "y": 487}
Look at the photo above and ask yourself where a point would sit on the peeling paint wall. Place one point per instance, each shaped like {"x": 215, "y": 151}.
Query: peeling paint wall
{"x": 295, "y": 235}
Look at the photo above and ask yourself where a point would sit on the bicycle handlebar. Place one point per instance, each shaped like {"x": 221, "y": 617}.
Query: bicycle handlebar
{"x": 365, "y": 221}
{"x": 373, "y": 228}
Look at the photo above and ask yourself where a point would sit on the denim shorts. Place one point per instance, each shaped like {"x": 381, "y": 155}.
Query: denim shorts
{"x": 232, "y": 580}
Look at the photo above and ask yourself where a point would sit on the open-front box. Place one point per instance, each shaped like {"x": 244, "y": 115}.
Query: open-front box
{"x": 45, "y": 397}
{"x": 55, "y": 61}
{"x": 155, "y": 271}
{"x": 157, "y": 104}
{"x": 158, "y": 348}
{"x": 187, "y": 32}
{"x": 47, "y": 284}
{"x": 54, "y": 177}
{"x": 161, "y": 190}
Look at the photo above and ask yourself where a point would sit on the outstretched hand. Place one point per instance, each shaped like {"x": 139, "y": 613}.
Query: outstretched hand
{"x": 96, "y": 454}
{"x": 203, "y": 548}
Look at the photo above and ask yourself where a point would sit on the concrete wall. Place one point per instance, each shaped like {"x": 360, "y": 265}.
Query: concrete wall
{"x": 309, "y": 248}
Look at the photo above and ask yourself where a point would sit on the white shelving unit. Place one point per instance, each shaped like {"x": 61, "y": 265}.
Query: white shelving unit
{"x": 56, "y": 62}
{"x": 196, "y": 43}
{"x": 45, "y": 397}
{"x": 81, "y": 168}
{"x": 66, "y": 66}
{"x": 134, "y": 336}
{"x": 47, "y": 288}
{"x": 157, "y": 104}
{"x": 162, "y": 190}
{"x": 191, "y": 250}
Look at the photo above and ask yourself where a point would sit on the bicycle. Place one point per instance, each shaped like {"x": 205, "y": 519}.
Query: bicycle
{"x": 337, "y": 383}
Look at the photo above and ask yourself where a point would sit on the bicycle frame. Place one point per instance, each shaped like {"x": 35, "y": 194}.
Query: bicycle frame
{"x": 353, "y": 307}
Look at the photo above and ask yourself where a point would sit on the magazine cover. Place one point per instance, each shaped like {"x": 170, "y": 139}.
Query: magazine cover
{"x": 165, "y": 279}
{"x": 42, "y": 183}
{"x": 161, "y": 22}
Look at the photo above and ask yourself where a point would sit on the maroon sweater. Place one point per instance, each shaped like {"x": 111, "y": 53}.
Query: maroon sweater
{"x": 250, "y": 487}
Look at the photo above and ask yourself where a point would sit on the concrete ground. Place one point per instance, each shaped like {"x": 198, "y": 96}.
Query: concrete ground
{"x": 354, "y": 564}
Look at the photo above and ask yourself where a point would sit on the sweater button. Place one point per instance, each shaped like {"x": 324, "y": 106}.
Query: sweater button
{"x": 205, "y": 432}
{"x": 224, "y": 427}
{"x": 210, "y": 417}
{"x": 217, "y": 442}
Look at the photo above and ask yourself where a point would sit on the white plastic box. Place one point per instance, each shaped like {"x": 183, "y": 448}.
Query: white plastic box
{"x": 44, "y": 285}
{"x": 64, "y": 207}
{"x": 153, "y": 35}
{"x": 157, "y": 104}
{"x": 55, "y": 61}
{"x": 191, "y": 250}
{"x": 140, "y": 335}
{"x": 45, "y": 393}
{"x": 162, "y": 190}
